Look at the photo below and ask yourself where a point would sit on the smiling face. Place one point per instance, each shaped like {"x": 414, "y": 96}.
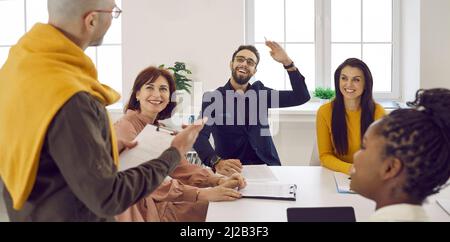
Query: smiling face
{"x": 351, "y": 83}
{"x": 154, "y": 97}
{"x": 243, "y": 67}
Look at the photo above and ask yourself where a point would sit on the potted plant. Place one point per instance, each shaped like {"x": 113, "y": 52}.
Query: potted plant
{"x": 182, "y": 85}
{"x": 180, "y": 72}
{"x": 324, "y": 94}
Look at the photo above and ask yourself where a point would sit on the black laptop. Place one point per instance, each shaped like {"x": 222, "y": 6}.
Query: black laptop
{"x": 324, "y": 214}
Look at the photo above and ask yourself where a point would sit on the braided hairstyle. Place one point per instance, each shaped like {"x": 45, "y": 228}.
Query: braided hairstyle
{"x": 420, "y": 138}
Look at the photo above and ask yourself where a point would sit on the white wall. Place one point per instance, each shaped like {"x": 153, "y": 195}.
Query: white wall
{"x": 425, "y": 45}
{"x": 410, "y": 48}
{"x": 202, "y": 33}
{"x": 435, "y": 43}
{"x": 295, "y": 140}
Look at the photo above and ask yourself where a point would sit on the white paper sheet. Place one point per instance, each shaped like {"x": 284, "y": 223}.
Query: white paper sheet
{"x": 258, "y": 173}
{"x": 151, "y": 144}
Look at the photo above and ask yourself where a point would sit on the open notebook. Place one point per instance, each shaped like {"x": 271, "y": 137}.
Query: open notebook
{"x": 152, "y": 142}
{"x": 270, "y": 190}
{"x": 342, "y": 182}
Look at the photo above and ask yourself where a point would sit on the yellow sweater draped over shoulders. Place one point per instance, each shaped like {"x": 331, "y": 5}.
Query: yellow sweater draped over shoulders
{"x": 43, "y": 71}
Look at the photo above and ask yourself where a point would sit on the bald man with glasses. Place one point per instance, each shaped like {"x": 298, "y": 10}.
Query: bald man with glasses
{"x": 59, "y": 152}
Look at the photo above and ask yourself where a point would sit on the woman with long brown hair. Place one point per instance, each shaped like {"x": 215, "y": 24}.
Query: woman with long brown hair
{"x": 342, "y": 123}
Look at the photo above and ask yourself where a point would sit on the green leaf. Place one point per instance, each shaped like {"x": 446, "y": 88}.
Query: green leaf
{"x": 180, "y": 75}
{"x": 324, "y": 93}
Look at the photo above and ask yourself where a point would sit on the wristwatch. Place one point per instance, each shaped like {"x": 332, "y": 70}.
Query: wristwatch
{"x": 289, "y": 66}
{"x": 214, "y": 162}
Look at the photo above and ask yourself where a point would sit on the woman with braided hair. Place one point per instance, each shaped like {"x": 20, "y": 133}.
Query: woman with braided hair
{"x": 405, "y": 157}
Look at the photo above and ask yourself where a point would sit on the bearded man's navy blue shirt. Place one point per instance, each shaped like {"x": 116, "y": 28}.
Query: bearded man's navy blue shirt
{"x": 239, "y": 124}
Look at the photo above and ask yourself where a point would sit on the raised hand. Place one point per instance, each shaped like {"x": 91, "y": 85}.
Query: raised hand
{"x": 278, "y": 53}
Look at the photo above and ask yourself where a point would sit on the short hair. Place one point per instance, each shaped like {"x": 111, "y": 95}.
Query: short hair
{"x": 149, "y": 75}
{"x": 250, "y": 48}
{"x": 420, "y": 138}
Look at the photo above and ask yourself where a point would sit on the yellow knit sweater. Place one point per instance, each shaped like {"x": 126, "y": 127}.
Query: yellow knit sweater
{"x": 43, "y": 71}
{"x": 327, "y": 154}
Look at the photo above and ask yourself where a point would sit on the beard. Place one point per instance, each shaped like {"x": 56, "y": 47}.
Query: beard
{"x": 240, "y": 80}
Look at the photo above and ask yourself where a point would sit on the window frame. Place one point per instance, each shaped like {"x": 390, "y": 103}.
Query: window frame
{"x": 323, "y": 44}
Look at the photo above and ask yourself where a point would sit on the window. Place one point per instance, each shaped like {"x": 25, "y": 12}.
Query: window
{"x": 320, "y": 34}
{"x": 19, "y": 16}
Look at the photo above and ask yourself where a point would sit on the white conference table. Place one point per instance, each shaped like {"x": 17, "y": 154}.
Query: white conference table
{"x": 316, "y": 188}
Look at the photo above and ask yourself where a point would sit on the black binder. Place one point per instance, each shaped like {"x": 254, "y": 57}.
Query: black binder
{"x": 290, "y": 196}
{"x": 323, "y": 214}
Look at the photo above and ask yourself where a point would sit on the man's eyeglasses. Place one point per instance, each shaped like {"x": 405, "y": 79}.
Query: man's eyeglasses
{"x": 115, "y": 12}
{"x": 241, "y": 59}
